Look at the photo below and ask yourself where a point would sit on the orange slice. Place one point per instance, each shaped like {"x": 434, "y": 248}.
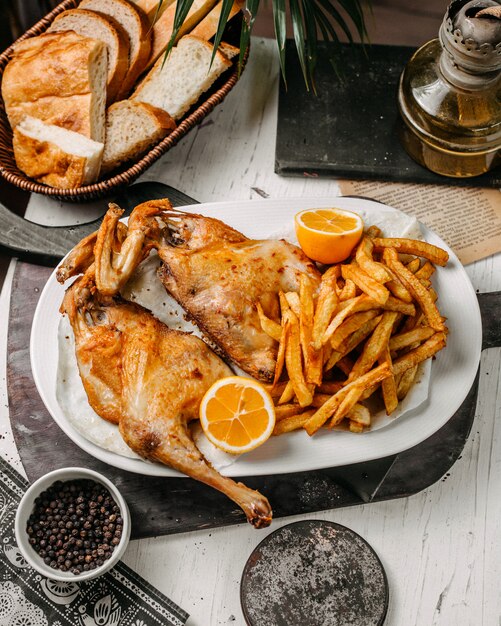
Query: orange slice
{"x": 328, "y": 235}
{"x": 237, "y": 414}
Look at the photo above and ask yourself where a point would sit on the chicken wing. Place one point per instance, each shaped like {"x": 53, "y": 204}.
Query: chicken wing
{"x": 138, "y": 373}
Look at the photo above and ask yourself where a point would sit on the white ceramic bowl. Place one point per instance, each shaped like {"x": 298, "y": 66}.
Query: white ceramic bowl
{"x": 26, "y": 507}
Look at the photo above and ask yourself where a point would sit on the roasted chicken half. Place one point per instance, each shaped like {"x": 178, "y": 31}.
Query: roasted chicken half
{"x": 218, "y": 276}
{"x": 138, "y": 373}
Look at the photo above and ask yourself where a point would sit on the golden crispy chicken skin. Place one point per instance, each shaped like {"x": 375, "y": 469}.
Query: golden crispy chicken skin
{"x": 138, "y": 373}
{"x": 218, "y": 276}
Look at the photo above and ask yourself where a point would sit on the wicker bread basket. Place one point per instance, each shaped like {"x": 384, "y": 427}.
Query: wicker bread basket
{"x": 124, "y": 177}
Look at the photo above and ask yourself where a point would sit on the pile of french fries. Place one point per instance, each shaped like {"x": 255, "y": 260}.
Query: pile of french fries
{"x": 364, "y": 331}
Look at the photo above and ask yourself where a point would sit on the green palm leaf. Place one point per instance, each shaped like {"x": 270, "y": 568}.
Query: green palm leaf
{"x": 311, "y": 19}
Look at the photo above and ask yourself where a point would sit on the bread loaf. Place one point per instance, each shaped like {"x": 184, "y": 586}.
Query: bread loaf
{"x": 163, "y": 27}
{"x": 105, "y": 29}
{"x": 55, "y": 156}
{"x": 177, "y": 84}
{"x": 131, "y": 128}
{"x": 152, "y": 8}
{"x": 135, "y": 24}
{"x": 207, "y": 28}
{"x": 59, "y": 78}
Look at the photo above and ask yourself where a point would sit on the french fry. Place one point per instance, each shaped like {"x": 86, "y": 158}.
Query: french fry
{"x": 275, "y": 391}
{"x": 375, "y": 346}
{"x": 271, "y": 328}
{"x": 406, "y": 381}
{"x": 339, "y": 318}
{"x": 394, "y": 304}
{"x": 284, "y": 305}
{"x": 406, "y": 339}
{"x": 363, "y": 281}
{"x": 425, "y": 272}
{"x": 356, "y": 427}
{"x": 350, "y": 325}
{"x": 388, "y": 385}
{"x": 412, "y": 246}
{"x": 348, "y": 291}
{"x": 414, "y": 265}
{"x": 279, "y": 365}
{"x": 287, "y": 394}
{"x": 345, "y": 364}
{"x": 287, "y": 410}
{"x": 360, "y": 414}
{"x": 373, "y": 231}
{"x": 321, "y": 398}
{"x": 293, "y": 362}
{"x": 411, "y": 282}
{"x": 352, "y": 342}
{"x": 293, "y": 422}
{"x": 327, "y": 410}
{"x": 364, "y": 303}
{"x": 326, "y": 305}
{"x": 396, "y": 288}
{"x": 315, "y": 367}
{"x": 373, "y": 268}
{"x": 330, "y": 387}
{"x": 292, "y": 298}
{"x": 347, "y": 403}
{"x": 426, "y": 350}
{"x": 312, "y": 358}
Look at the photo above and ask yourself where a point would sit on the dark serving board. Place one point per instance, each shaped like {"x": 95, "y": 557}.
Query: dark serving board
{"x": 351, "y": 128}
{"x": 168, "y": 505}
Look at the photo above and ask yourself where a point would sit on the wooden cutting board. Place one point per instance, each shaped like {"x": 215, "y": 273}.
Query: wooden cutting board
{"x": 169, "y": 505}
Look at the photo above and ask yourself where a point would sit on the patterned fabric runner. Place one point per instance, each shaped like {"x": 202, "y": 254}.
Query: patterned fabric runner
{"x": 118, "y": 598}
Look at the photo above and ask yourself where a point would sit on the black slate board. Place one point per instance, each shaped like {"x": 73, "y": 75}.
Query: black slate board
{"x": 169, "y": 505}
{"x": 350, "y": 129}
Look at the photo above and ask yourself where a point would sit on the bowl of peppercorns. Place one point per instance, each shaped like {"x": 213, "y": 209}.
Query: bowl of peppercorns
{"x": 72, "y": 524}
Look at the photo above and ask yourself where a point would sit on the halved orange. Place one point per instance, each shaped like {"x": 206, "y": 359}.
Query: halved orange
{"x": 237, "y": 414}
{"x": 328, "y": 235}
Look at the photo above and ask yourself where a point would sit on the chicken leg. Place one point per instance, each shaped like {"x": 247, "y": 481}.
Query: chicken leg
{"x": 143, "y": 376}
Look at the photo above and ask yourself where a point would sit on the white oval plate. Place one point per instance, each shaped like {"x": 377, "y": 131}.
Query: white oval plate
{"x": 452, "y": 374}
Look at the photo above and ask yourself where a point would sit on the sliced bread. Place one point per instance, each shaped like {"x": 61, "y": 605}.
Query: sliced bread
{"x": 131, "y": 128}
{"x": 66, "y": 83}
{"x": 135, "y": 24}
{"x": 105, "y": 29}
{"x": 228, "y": 50}
{"x": 56, "y": 156}
{"x": 163, "y": 27}
{"x": 177, "y": 84}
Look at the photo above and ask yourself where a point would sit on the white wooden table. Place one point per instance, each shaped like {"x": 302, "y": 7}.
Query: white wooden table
{"x": 441, "y": 548}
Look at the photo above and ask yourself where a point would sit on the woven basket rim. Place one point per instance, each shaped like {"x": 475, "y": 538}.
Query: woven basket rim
{"x": 108, "y": 185}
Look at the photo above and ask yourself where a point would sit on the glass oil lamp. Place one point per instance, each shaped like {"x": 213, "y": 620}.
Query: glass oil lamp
{"x": 450, "y": 93}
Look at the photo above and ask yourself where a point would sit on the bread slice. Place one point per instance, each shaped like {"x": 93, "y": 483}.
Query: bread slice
{"x": 163, "y": 27}
{"x": 131, "y": 128}
{"x": 151, "y": 8}
{"x": 105, "y": 29}
{"x": 207, "y": 28}
{"x": 228, "y": 50}
{"x": 59, "y": 78}
{"x": 55, "y": 156}
{"x": 135, "y": 24}
{"x": 177, "y": 84}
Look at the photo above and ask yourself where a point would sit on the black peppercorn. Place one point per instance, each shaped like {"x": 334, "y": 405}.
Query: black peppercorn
{"x": 75, "y": 526}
